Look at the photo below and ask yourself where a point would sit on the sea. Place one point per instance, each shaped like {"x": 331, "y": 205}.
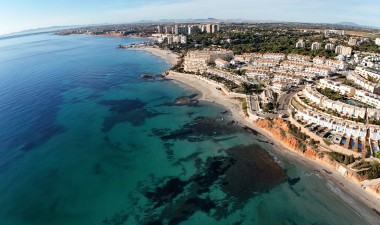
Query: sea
{"x": 85, "y": 139}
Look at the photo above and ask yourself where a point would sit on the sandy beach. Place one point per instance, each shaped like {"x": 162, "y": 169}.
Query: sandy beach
{"x": 167, "y": 55}
{"x": 210, "y": 93}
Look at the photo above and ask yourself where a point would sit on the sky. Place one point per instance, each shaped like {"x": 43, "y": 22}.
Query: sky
{"x": 18, "y": 15}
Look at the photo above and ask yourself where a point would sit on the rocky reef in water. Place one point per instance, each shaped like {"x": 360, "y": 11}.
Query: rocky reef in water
{"x": 126, "y": 110}
{"x": 200, "y": 129}
{"x": 183, "y": 101}
{"x": 244, "y": 172}
{"x": 152, "y": 77}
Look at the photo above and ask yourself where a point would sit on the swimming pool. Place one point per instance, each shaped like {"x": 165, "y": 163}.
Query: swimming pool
{"x": 355, "y": 103}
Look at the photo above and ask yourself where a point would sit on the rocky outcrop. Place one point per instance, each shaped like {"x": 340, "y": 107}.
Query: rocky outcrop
{"x": 329, "y": 162}
{"x": 279, "y": 130}
{"x": 311, "y": 153}
{"x": 375, "y": 189}
{"x": 354, "y": 176}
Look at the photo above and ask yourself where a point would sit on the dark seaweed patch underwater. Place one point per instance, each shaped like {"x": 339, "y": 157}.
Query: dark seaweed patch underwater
{"x": 244, "y": 172}
{"x": 200, "y": 129}
{"x": 126, "y": 110}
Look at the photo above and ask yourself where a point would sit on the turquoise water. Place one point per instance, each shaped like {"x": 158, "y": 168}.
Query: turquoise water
{"x": 85, "y": 140}
{"x": 355, "y": 103}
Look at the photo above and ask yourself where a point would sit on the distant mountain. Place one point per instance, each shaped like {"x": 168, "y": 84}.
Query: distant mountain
{"x": 38, "y": 31}
{"x": 349, "y": 24}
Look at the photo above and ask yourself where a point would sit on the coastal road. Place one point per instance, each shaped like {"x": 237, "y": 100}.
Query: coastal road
{"x": 284, "y": 101}
{"x": 254, "y": 104}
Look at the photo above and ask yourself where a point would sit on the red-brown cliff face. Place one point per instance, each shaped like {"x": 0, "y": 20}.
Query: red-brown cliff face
{"x": 279, "y": 130}
{"x": 354, "y": 176}
{"x": 311, "y": 153}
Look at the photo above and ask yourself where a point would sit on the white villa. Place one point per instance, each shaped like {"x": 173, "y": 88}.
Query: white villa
{"x": 276, "y": 56}
{"x": 337, "y": 87}
{"x": 364, "y": 83}
{"x": 367, "y": 73}
{"x": 266, "y": 62}
{"x": 322, "y": 101}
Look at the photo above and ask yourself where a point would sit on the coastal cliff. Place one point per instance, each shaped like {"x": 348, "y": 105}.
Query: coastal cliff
{"x": 279, "y": 130}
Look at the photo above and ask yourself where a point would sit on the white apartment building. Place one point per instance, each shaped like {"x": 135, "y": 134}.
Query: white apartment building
{"x": 266, "y": 96}
{"x": 298, "y": 58}
{"x": 226, "y": 75}
{"x": 275, "y": 56}
{"x": 323, "y": 71}
{"x": 316, "y": 46}
{"x": 279, "y": 86}
{"x": 363, "y": 83}
{"x": 183, "y": 39}
{"x": 176, "y": 39}
{"x": 342, "y": 50}
{"x": 288, "y": 78}
{"x": 338, "y": 126}
{"x": 337, "y": 87}
{"x": 306, "y": 75}
{"x": 319, "y": 60}
{"x": 353, "y": 41}
{"x": 221, "y": 63}
{"x": 373, "y": 114}
{"x": 374, "y": 133}
{"x": 266, "y": 62}
{"x": 197, "y": 61}
{"x": 300, "y": 44}
{"x": 170, "y": 39}
{"x": 367, "y": 73}
{"x": 258, "y": 74}
{"x": 339, "y": 32}
{"x": 160, "y": 29}
{"x": 329, "y": 46}
{"x": 256, "y": 55}
{"x": 368, "y": 98}
{"x": 313, "y": 95}
{"x": 343, "y": 108}
{"x": 377, "y": 41}
{"x": 322, "y": 101}
{"x": 245, "y": 58}
{"x": 294, "y": 66}
{"x": 339, "y": 65}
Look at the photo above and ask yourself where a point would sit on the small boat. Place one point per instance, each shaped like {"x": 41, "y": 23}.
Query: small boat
{"x": 123, "y": 46}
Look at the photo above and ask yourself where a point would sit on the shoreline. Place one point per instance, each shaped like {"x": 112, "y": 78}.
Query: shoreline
{"x": 167, "y": 55}
{"x": 209, "y": 93}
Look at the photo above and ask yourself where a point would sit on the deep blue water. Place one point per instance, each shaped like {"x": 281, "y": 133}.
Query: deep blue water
{"x": 85, "y": 140}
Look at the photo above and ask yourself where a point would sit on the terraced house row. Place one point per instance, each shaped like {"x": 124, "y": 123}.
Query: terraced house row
{"x": 324, "y": 102}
